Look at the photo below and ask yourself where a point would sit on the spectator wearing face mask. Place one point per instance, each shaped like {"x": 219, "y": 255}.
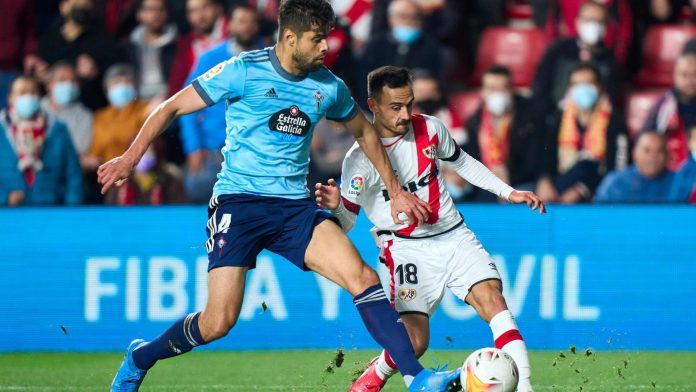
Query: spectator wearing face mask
{"x": 646, "y": 181}
{"x": 116, "y": 125}
{"x": 502, "y": 132}
{"x": 619, "y": 27}
{"x": 429, "y": 99}
{"x": 675, "y": 112}
{"x": 584, "y": 140}
{"x": 38, "y": 163}
{"x": 684, "y": 186}
{"x": 62, "y": 102}
{"x": 404, "y": 45}
{"x": 551, "y": 78}
{"x": 78, "y": 39}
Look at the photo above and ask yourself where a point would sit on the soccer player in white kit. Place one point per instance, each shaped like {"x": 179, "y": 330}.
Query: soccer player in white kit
{"x": 442, "y": 252}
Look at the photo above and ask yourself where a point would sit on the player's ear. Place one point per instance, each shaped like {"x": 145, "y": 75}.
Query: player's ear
{"x": 289, "y": 37}
{"x": 372, "y": 104}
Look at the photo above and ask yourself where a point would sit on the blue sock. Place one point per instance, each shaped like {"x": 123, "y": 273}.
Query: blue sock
{"x": 385, "y": 326}
{"x": 180, "y": 338}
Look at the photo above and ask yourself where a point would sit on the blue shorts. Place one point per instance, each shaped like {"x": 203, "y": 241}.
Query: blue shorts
{"x": 240, "y": 226}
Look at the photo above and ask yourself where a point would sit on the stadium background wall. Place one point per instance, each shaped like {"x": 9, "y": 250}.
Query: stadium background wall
{"x": 84, "y": 279}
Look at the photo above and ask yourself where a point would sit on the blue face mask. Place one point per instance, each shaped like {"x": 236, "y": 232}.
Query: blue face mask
{"x": 26, "y": 106}
{"x": 121, "y": 95}
{"x": 585, "y": 95}
{"x": 65, "y": 92}
{"x": 406, "y": 34}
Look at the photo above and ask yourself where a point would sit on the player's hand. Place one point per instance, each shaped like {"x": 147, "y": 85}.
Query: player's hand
{"x": 114, "y": 172}
{"x": 533, "y": 201}
{"x": 15, "y": 198}
{"x": 328, "y": 196}
{"x": 416, "y": 210}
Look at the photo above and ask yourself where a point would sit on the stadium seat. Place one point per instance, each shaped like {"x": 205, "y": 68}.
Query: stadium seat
{"x": 517, "y": 49}
{"x": 661, "y": 47}
{"x": 464, "y": 104}
{"x": 638, "y": 105}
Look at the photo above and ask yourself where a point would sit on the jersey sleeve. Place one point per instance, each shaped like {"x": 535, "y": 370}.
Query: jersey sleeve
{"x": 447, "y": 150}
{"x": 224, "y": 81}
{"x": 355, "y": 180}
{"x": 344, "y": 107}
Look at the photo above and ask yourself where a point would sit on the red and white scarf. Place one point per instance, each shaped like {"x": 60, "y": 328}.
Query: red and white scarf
{"x": 670, "y": 124}
{"x": 28, "y": 138}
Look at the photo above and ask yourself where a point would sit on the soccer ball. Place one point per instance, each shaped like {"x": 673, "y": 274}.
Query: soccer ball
{"x": 489, "y": 370}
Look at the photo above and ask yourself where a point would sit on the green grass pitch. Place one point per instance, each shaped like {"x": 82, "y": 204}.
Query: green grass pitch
{"x": 314, "y": 370}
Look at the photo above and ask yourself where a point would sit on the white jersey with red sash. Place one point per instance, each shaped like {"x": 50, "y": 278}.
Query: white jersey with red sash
{"x": 416, "y": 158}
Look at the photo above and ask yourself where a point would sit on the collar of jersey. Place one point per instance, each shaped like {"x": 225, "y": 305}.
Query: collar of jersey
{"x": 281, "y": 71}
{"x": 390, "y": 141}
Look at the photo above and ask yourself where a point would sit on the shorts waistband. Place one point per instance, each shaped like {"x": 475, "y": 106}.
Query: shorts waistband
{"x": 395, "y": 234}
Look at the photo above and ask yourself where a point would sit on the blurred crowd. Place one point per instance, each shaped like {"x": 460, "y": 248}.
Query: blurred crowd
{"x": 580, "y": 101}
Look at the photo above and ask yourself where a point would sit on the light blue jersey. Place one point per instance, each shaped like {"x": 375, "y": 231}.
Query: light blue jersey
{"x": 270, "y": 116}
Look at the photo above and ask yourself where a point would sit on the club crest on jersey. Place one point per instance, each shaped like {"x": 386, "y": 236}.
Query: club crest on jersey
{"x": 290, "y": 121}
{"x": 407, "y": 295}
{"x": 318, "y": 98}
{"x": 221, "y": 244}
{"x": 430, "y": 152}
{"x": 216, "y": 70}
{"x": 356, "y": 185}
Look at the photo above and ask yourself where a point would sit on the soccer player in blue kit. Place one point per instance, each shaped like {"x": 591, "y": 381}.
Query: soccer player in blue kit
{"x": 273, "y": 99}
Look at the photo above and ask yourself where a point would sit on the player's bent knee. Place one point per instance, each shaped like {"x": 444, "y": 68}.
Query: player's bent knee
{"x": 366, "y": 279}
{"x": 216, "y": 326}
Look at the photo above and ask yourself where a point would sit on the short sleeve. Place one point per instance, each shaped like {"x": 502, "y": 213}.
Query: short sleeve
{"x": 344, "y": 107}
{"x": 224, "y": 81}
{"x": 355, "y": 177}
{"x": 447, "y": 149}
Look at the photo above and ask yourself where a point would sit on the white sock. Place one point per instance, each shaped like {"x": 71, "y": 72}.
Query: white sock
{"x": 385, "y": 366}
{"x": 507, "y": 338}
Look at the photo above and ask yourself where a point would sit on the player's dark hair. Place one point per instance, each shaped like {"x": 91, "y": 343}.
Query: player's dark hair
{"x": 304, "y": 15}
{"x": 586, "y": 66}
{"x": 499, "y": 70}
{"x": 388, "y": 75}
{"x": 651, "y": 132}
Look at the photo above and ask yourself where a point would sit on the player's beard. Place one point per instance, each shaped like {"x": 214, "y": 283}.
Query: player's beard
{"x": 305, "y": 63}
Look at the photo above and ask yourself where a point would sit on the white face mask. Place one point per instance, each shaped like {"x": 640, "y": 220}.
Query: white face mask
{"x": 591, "y": 32}
{"x": 498, "y": 103}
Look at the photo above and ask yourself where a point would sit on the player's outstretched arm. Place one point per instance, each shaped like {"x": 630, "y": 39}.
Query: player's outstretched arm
{"x": 401, "y": 201}
{"x": 116, "y": 171}
{"x": 329, "y": 198}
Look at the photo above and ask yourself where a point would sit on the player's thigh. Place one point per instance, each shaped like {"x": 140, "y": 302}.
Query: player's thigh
{"x": 418, "y": 328}
{"x": 331, "y": 254}
{"x": 472, "y": 269}
{"x": 417, "y": 275}
{"x": 225, "y": 295}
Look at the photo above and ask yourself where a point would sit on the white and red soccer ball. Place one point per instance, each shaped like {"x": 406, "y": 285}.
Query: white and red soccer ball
{"x": 489, "y": 370}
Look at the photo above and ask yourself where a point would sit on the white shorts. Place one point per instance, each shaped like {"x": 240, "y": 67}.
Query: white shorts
{"x": 420, "y": 269}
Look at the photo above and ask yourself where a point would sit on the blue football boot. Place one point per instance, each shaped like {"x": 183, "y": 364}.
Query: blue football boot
{"x": 129, "y": 377}
{"x": 427, "y": 381}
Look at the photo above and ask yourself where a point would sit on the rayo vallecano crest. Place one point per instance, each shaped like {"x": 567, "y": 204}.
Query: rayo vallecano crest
{"x": 430, "y": 152}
